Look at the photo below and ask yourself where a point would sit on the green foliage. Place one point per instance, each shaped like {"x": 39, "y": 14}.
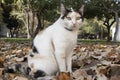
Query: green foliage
{"x": 14, "y": 23}
{"x": 92, "y": 9}
{"x": 1, "y": 17}
{"x": 101, "y": 8}
{"x": 46, "y": 8}
{"x": 12, "y": 20}
{"x": 49, "y": 10}
{"x": 92, "y": 26}
{"x": 6, "y": 12}
{"x": 76, "y": 4}
{"x": 104, "y": 10}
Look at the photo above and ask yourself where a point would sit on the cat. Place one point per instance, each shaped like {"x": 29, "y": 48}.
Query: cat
{"x": 53, "y": 47}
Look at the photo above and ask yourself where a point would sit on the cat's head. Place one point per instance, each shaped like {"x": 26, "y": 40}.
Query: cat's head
{"x": 72, "y": 18}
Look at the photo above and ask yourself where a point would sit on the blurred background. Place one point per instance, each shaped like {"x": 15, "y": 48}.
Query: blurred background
{"x": 24, "y": 18}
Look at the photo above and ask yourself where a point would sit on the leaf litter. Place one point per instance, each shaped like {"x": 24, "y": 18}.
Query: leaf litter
{"x": 90, "y": 61}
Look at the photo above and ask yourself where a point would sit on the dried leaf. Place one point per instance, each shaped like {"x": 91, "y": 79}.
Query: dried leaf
{"x": 115, "y": 78}
{"x": 20, "y": 78}
{"x": 1, "y": 62}
{"x": 1, "y": 71}
{"x": 63, "y": 76}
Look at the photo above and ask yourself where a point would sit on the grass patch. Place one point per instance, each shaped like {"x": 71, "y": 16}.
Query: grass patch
{"x": 96, "y": 41}
{"x": 80, "y": 41}
{"x": 16, "y": 40}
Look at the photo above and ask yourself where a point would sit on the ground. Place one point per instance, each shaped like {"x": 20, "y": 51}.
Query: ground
{"x": 91, "y": 60}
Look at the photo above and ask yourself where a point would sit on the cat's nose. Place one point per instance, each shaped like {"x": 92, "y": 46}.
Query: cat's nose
{"x": 74, "y": 24}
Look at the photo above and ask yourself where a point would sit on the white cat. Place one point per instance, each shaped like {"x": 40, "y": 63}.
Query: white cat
{"x": 53, "y": 47}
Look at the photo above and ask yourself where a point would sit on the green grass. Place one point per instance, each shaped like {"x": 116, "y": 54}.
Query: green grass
{"x": 80, "y": 41}
{"x": 15, "y": 39}
{"x": 94, "y": 41}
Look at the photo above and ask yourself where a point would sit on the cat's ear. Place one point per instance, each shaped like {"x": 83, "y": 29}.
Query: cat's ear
{"x": 81, "y": 9}
{"x": 63, "y": 9}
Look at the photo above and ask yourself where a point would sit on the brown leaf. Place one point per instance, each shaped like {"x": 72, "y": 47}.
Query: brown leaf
{"x": 20, "y": 78}
{"x": 80, "y": 72}
{"x": 1, "y": 62}
{"x": 1, "y": 71}
{"x": 12, "y": 76}
{"x": 63, "y": 76}
{"x": 115, "y": 78}
{"x": 112, "y": 54}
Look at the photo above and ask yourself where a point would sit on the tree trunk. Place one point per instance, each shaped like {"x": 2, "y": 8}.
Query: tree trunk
{"x": 11, "y": 33}
{"x": 32, "y": 25}
{"x": 117, "y": 30}
{"x": 27, "y": 25}
{"x": 108, "y": 24}
{"x": 39, "y": 26}
{"x": 108, "y": 34}
{"x": 101, "y": 34}
{"x": 14, "y": 31}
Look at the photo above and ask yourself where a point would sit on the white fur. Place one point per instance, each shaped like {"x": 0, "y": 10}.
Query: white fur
{"x": 55, "y": 46}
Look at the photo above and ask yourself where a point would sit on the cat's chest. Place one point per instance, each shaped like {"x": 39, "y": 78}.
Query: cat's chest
{"x": 64, "y": 36}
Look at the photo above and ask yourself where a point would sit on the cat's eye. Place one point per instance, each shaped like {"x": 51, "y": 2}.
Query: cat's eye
{"x": 78, "y": 18}
{"x": 69, "y": 18}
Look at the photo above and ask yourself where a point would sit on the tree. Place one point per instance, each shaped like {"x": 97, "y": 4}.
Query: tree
{"x": 38, "y": 10}
{"x": 13, "y": 22}
{"x": 116, "y": 11}
{"x": 104, "y": 10}
{"x": 109, "y": 16}
{"x": 6, "y": 11}
{"x": 112, "y": 7}
{"x": 1, "y": 17}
